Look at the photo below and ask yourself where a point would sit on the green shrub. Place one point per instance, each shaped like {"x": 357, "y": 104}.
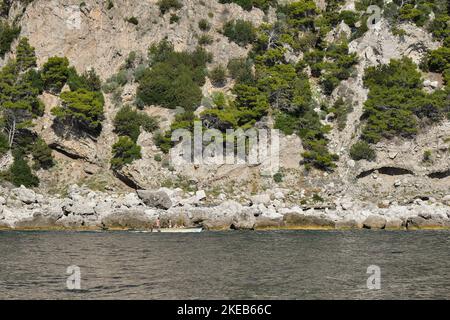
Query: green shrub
{"x": 240, "y": 31}
{"x": 124, "y": 151}
{"x": 205, "y": 39}
{"x": 341, "y": 109}
{"x": 362, "y": 150}
{"x": 128, "y": 123}
{"x": 42, "y": 155}
{"x": 174, "y": 78}
{"x": 332, "y": 65}
{"x": 25, "y": 55}
{"x": 437, "y": 60}
{"x": 19, "y": 102}
{"x": 133, "y": 20}
{"x": 115, "y": 81}
{"x": 218, "y": 75}
{"x": 300, "y": 14}
{"x": 55, "y": 73}
{"x": 174, "y": 18}
{"x": 278, "y": 177}
{"x": 241, "y": 70}
{"x": 88, "y": 80}
{"x": 81, "y": 110}
{"x": 427, "y": 156}
{"x": 7, "y": 35}
{"x": 418, "y": 14}
{"x": 204, "y": 25}
{"x": 20, "y": 173}
{"x": 249, "y": 4}
{"x": 167, "y": 5}
{"x": 396, "y": 101}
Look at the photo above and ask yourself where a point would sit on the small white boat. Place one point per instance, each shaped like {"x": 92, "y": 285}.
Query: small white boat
{"x": 173, "y": 230}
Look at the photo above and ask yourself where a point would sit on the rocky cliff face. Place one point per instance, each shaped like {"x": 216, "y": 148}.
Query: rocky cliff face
{"x": 95, "y": 36}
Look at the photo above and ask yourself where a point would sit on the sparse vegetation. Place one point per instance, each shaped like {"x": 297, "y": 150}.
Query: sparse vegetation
{"x": 167, "y": 5}
{"x": 362, "y": 150}
{"x": 240, "y": 31}
{"x": 125, "y": 151}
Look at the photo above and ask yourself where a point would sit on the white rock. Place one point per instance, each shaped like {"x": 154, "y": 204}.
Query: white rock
{"x": 131, "y": 200}
{"x": 200, "y": 195}
{"x": 279, "y": 195}
{"x": 25, "y": 195}
{"x": 260, "y": 199}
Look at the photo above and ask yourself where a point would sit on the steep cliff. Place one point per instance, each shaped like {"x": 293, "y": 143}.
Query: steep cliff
{"x": 101, "y": 35}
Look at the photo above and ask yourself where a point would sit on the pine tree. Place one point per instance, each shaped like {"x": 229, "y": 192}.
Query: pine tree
{"x": 26, "y": 56}
{"x": 55, "y": 73}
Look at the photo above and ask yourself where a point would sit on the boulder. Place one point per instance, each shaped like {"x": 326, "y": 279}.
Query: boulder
{"x": 348, "y": 224}
{"x": 301, "y": 221}
{"x": 243, "y": 221}
{"x": 82, "y": 208}
{"x": 268, "y": 223}
{"x": 260, "y": 199}
{"x": 25, "y": 195}
{"x": 446, "y": 200}
{"x": 71, "y": 221}
{"x": 200, "y": 195}
{"x": 418, "y": 222}
{"x": 104, "y": 208}
{"x": 131, "y": 200}
{"x": 155, "y": 199}
{"x": 394, "y": 223}
{"x": 132, "y": 219}
{"x": 37, "y": 221}
{"x": 374, "y": 222}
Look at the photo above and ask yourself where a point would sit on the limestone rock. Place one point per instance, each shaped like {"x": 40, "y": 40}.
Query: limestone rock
{"x": 128, "y": 219}
{"x": 308, "y": 221}
{"x": 25, "y": 195}
{"x": 374, "y": 222}
{"x": 243, "y": 221}
{"x": 155, "y": 199}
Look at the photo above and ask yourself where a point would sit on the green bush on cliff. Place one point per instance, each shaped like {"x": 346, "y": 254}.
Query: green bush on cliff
{"x": 362, "y": 150}
{"x": 249, "y": 4}
{"x": 124, "y": 151}
{"x": 128, "y": 122}
{"x": 42, "y": 155}
{"x": 396, "y": 102}
{"x": 20, "y": 173}
{"x": 174, "y": 79}
{"x": 437, "y": 60}
{"x": 89, "y": 80}
{"x": 240, "y": 31}
{"x": 81, "y": 110}
{"x": 167, "y": 5}
{"x": 55, "y": 73}
{"x": 8, "y": 34}
{"x": 26, "y": 56}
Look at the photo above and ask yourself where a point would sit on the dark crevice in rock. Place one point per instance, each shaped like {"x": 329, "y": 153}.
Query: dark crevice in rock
{"x": 57, "y": 148}
{"x": 390, "y": 171}
{"x": 439, "y": 174}
{"x": 130, "y": 183}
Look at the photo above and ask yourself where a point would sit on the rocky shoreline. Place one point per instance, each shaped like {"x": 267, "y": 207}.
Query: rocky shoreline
{"x": 84, "y": 209}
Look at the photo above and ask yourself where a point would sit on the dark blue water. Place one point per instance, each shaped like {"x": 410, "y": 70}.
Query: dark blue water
{"x": 225, "y": 265}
